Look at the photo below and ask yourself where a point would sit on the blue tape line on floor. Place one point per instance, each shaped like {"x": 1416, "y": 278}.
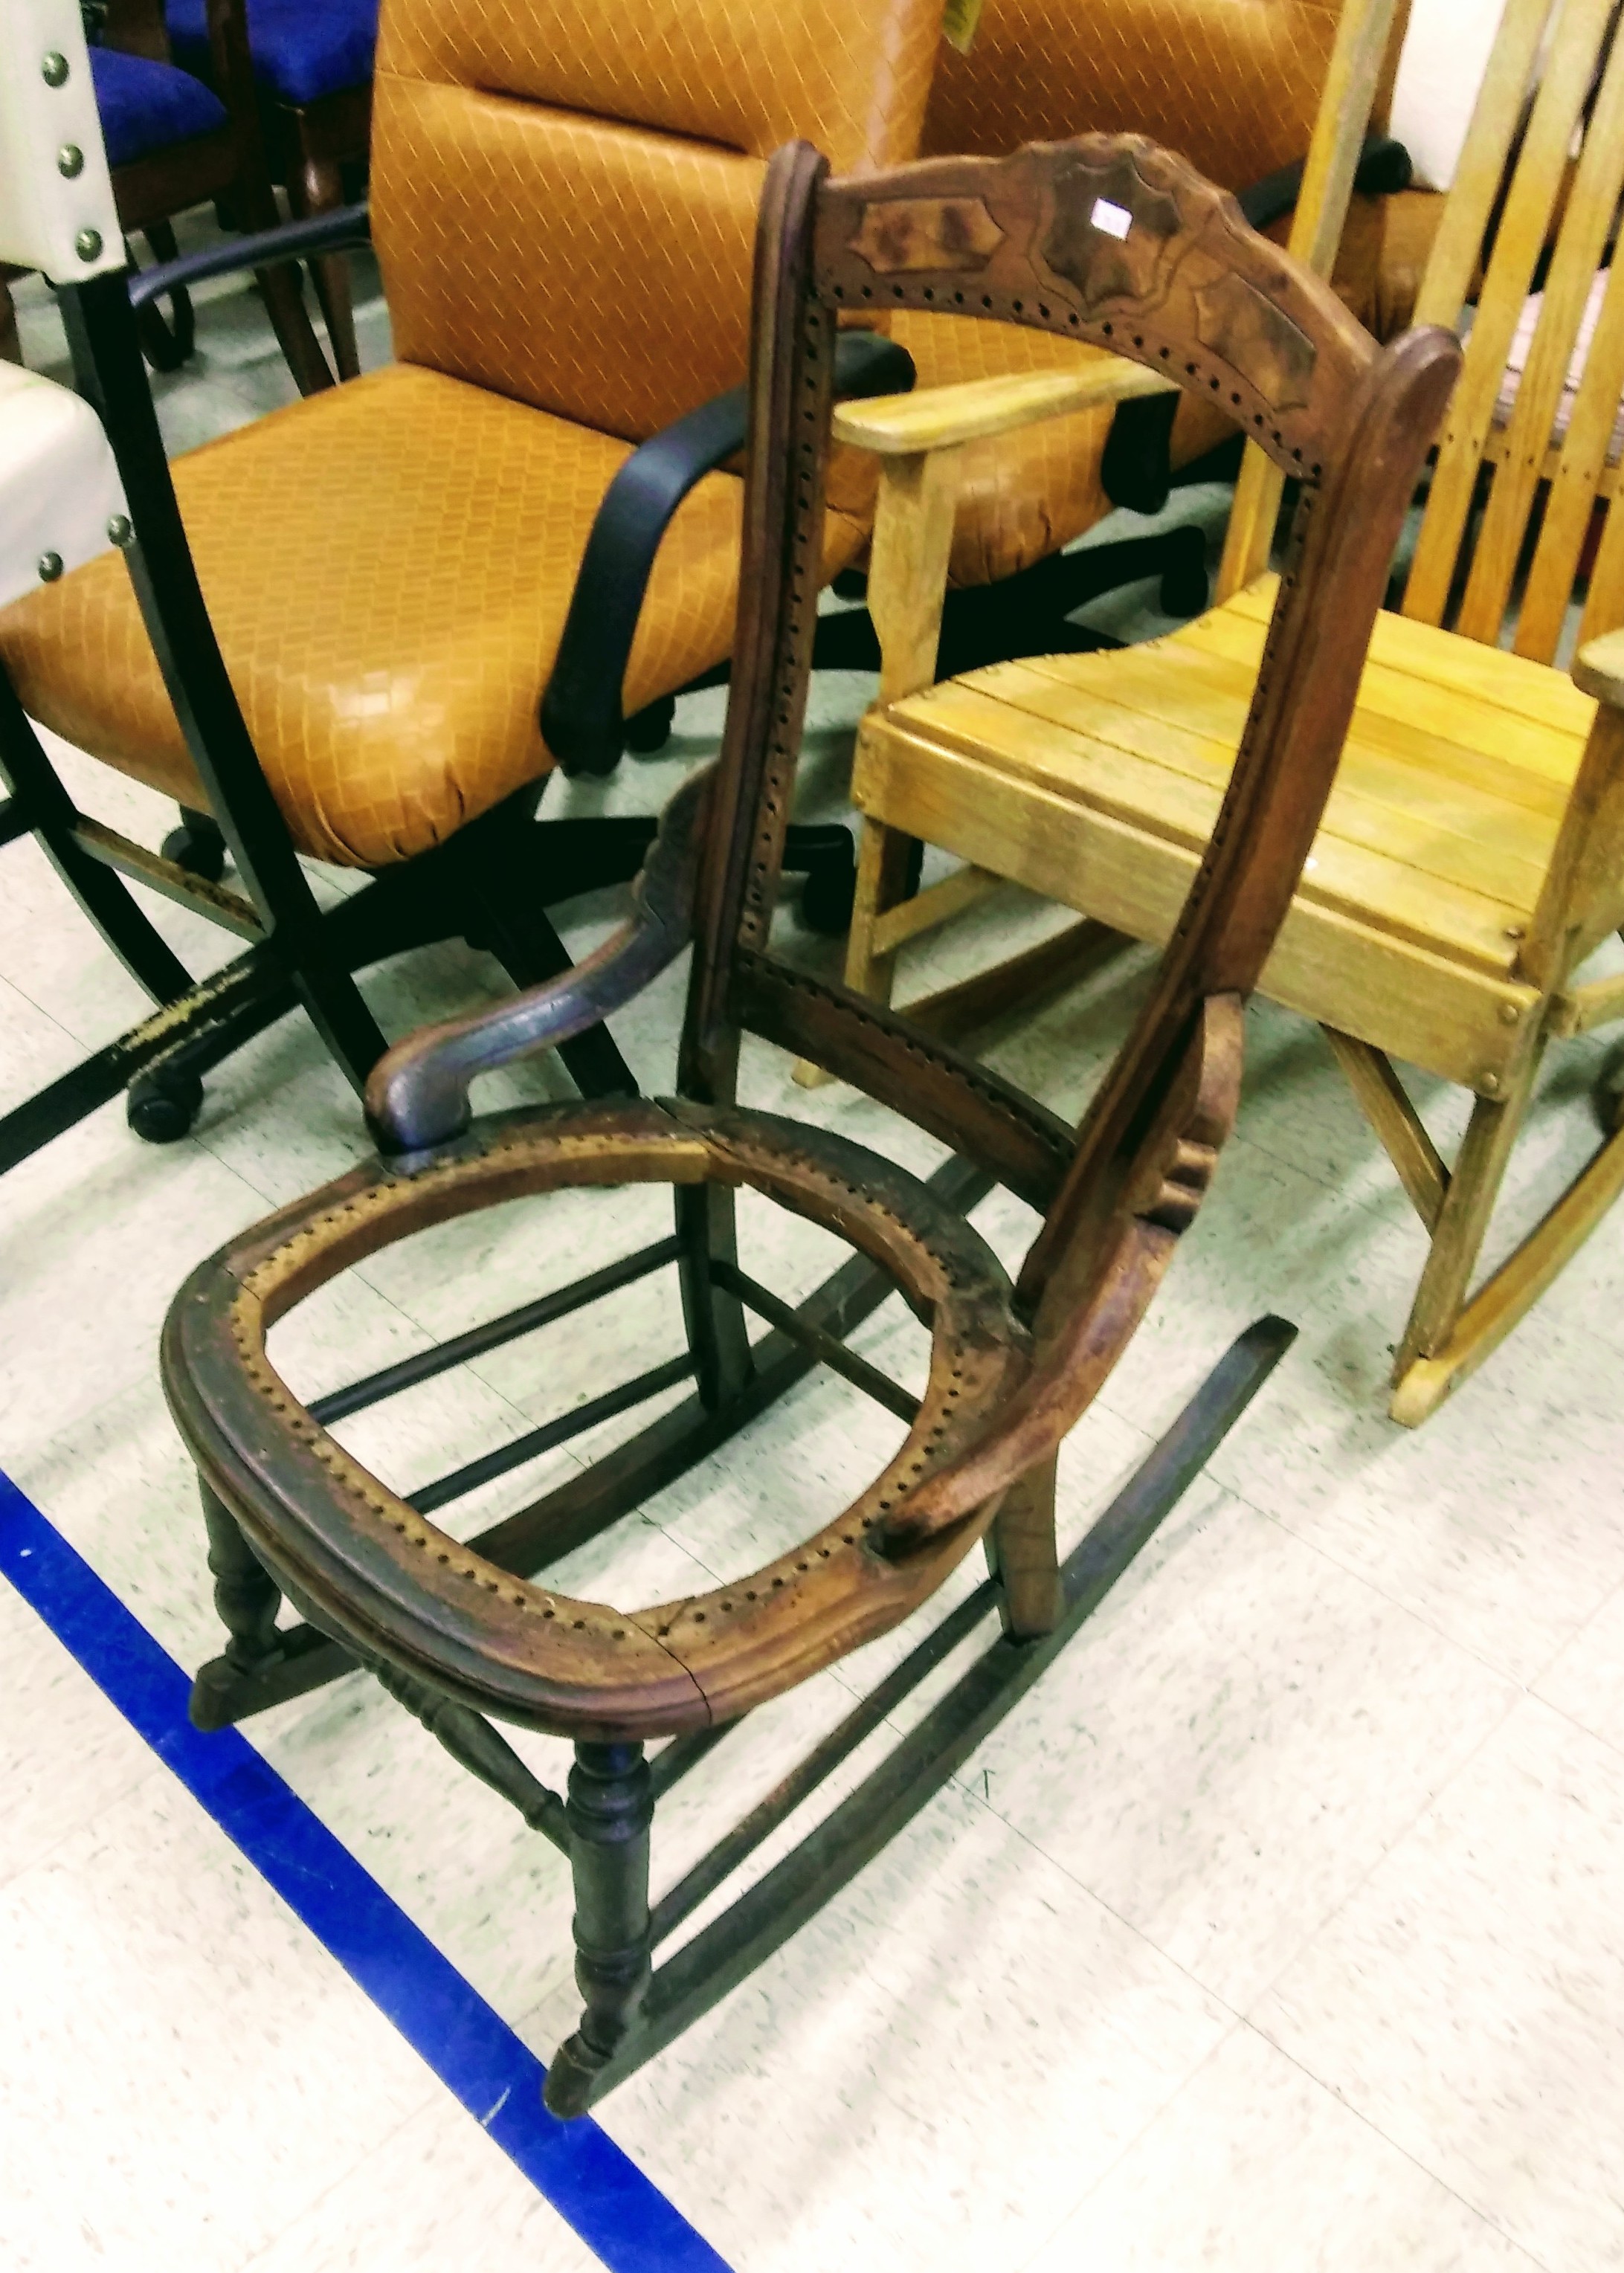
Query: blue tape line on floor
{"x": 599, "y": 2190}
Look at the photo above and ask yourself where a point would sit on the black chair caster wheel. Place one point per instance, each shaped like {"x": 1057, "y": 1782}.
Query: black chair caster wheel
{"x": 198, "y": 847}
{"x": 828, "y": 896}
{"x": 649, "y": 729}
{"x": 162, "y": 1107}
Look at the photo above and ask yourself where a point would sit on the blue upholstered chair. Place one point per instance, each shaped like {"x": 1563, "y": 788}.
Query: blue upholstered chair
{"x": 309, "y": 63}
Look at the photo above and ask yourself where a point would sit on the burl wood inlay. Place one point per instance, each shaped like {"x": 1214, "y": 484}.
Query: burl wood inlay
{"x": 911, "y": 234}
{"x": 1084, "y": 243}
{"x": 1256, "y": 339}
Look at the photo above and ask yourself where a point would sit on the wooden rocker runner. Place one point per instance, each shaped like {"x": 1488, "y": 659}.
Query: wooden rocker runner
{"x": 1115, "y": 242}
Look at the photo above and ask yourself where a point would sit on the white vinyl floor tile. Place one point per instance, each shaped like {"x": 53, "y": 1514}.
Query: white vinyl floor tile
{"x": 1276, "y": 1932}
{"x": 1468, "y": 1998}
{"x": 1255, "y": 2168}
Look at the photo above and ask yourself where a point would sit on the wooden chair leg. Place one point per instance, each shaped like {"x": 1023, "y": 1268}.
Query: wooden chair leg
{"x": 888, "y": 863}
{"x": 887, "y": 875}
{"x": 610, "y": 1810}
{"x": 317, "y": 186}
{"x": 246, "y": 1594}
{"x": 1023, "y": 1555}
{"x": 1457, "y": 1240}
{"x": 1484, "y": 1323}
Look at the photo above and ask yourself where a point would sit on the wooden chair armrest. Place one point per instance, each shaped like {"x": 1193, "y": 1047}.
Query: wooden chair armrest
{"x": 940, "y": 417}
{"x": 417, "y": 1098}
{"x": 1598, "y": 669}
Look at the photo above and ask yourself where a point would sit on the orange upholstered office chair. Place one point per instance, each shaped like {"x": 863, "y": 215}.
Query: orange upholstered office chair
{"x": 330, "y": 631}
{"x": 1237, "y": 91}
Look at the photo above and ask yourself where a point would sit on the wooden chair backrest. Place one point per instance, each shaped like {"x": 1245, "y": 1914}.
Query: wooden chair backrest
{"x": 1114, "y": 242}
{"x": 1544, "y": 166}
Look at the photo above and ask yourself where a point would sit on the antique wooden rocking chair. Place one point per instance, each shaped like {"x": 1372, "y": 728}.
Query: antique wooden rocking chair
{"x": 1472, "y": 858}
{"x": 1101, "y": 239}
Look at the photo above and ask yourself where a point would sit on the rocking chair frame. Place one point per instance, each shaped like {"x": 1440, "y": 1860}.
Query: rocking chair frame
{"x": 454, "y": 1631}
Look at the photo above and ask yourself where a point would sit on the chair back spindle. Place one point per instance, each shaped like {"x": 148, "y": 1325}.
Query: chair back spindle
{"x": 1511, "y": 505}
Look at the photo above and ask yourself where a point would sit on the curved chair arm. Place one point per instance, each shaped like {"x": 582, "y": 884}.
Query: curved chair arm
{"x": 418, "y": 1095}
{"x": 582, "y": 721}
{"x": 265, "y": 248}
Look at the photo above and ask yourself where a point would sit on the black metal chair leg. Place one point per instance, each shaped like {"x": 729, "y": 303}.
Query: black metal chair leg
{"x": 112, "y": 908}
{"x": 609, "y": 1812}
{"x": 341, "y": 1019}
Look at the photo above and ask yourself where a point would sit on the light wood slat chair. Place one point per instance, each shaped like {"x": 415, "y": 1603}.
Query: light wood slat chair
{"x": 1472, "y": 855}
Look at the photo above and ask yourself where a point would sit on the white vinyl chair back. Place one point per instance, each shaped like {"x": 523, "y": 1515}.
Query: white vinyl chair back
{"x": 58, "y": 484}
{"x": 56, "y": 211}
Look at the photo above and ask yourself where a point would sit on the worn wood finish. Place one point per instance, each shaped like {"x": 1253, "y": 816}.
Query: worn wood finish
{"x": 1387, "y": 1106}
{"x": 979, "y": 410}
{"x": 1011, "y": 1369}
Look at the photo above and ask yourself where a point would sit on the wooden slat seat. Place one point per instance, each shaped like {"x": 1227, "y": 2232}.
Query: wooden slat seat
{"x": 1095, "y": 779}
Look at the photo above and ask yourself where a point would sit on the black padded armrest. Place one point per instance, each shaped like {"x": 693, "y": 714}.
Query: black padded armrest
{"x": 265, "y": 248}
{"x": 581, "y": 716}
{"x": 1137, "y": 468}
{"x": 1384, "y": 168}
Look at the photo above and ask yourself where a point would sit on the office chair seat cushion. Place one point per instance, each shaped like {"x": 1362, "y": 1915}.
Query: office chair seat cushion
{"x": 146, "y": 105}
{"x": 365, "y": 1566}
{"x": 388, "y": 566}
{"x": 300, "y": 52}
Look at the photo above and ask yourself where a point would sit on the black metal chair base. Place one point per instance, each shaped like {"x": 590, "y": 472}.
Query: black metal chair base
{"x": 490, "y": 884}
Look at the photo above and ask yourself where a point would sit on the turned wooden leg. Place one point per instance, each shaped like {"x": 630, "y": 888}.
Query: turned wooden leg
{"x": 1023, "y": 1555}
{"x": 245, "y": 1595}
{"x": 321, "y": 188}
{"x": 609, "y": 1810}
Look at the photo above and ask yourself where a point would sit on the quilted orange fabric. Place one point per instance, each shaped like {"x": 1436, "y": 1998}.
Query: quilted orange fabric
{"x": 1231, "y": 84}
{"x": 564, "y": 203}
{"x": 388, "y": 567}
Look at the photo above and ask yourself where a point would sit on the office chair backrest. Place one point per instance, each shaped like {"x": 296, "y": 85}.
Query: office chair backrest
{"x": 1232, "y": 85}
{"x": 564, "y": 194}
